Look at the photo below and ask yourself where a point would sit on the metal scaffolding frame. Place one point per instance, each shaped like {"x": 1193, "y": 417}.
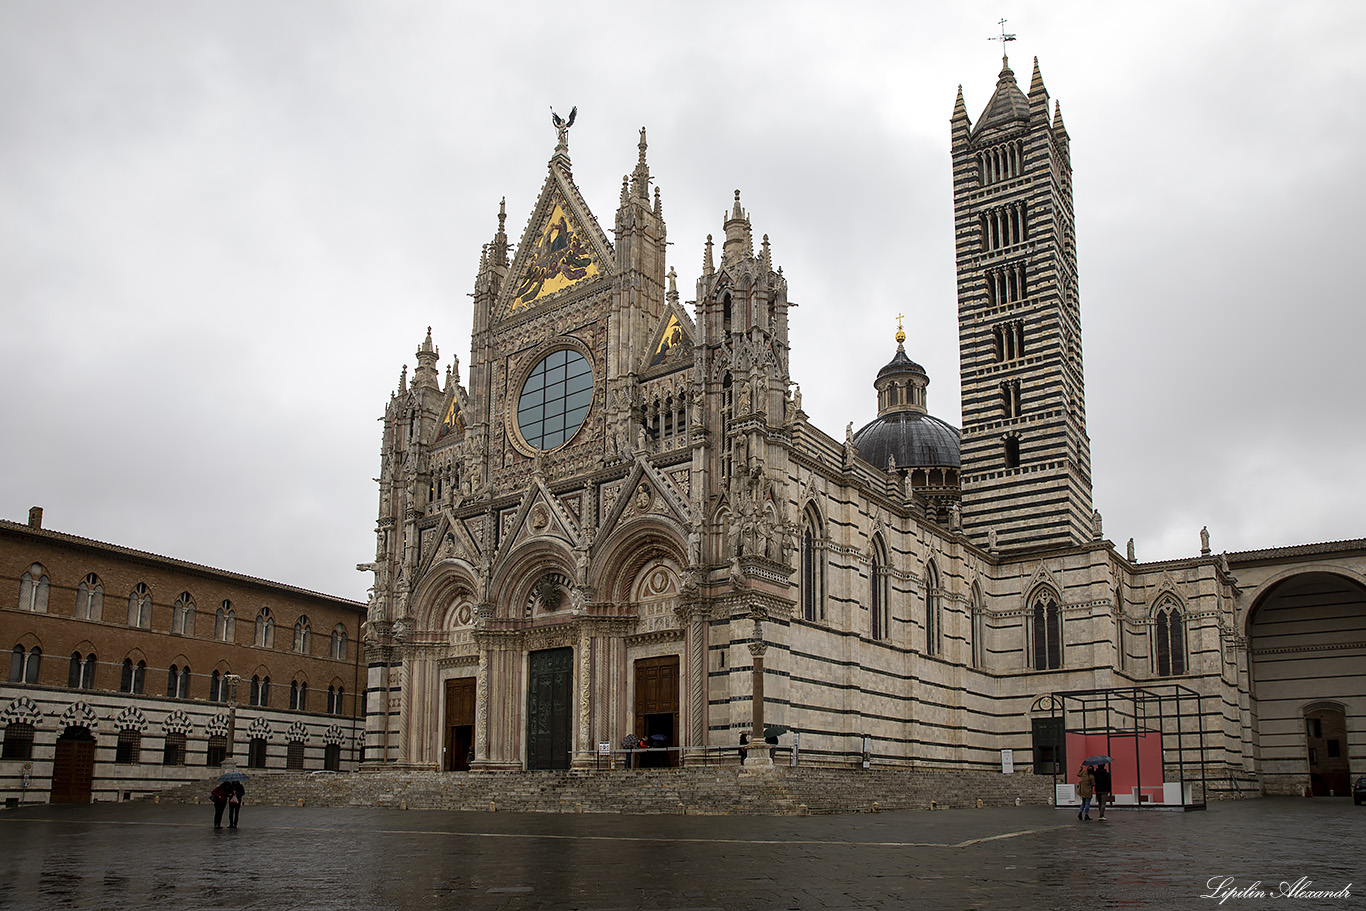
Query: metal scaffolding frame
{"x": 1138, "y": 708}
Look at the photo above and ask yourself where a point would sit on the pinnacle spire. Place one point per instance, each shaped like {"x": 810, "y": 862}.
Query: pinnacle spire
{"x": 960, "y": 109}
{"x": 1036, "y": 81}
{"x": 707, "y": 267}
{"x": 640, "y": 177}
{"x": 498, "y": 250}
{"x": 1058, "y": 127}
{"x": 739, "y": 241}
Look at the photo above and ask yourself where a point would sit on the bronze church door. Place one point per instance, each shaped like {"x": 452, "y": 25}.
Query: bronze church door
{"x": 548, "y": 701}
{"x": 459, "y": 724}
{"x": 73, "y": 767}
{"x": 657, "y": 707}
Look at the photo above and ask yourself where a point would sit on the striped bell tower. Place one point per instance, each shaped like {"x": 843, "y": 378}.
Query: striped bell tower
{"x": 1026, "y": 458}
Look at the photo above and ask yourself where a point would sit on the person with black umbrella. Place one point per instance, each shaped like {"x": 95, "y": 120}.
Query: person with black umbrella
{"x": 1103, "y": 785}
{"x": 239, "y": 794}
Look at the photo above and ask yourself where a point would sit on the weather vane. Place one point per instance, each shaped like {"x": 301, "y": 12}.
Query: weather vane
{"x": 1003, "y": 37}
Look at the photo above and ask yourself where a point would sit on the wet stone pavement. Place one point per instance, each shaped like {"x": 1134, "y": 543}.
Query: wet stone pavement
{"x": 139, "y": 855}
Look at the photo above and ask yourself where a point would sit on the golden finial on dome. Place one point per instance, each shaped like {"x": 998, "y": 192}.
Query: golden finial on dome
{"x": 900, "y": 335}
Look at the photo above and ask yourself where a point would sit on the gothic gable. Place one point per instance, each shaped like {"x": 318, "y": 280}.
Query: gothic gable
{"x": 646, "y": 491}
{"x": 671, "y": 346}
{"x": 563, "y": 249}
{"x": 452, "y": 416}
{"x": 540, "y": 515}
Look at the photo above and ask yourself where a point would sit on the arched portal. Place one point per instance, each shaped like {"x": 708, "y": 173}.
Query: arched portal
{"x": 1307, "y": 649}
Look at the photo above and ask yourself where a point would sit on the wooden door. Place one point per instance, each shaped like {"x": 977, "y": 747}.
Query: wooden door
{"x": 73, "y": 767}
{"x": 549, "y": 699}
{"x": 459, "y": 723}
{"x": 657, "y": 706}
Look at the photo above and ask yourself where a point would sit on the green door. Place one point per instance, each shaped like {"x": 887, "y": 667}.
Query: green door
{"x": 547, "y": 711}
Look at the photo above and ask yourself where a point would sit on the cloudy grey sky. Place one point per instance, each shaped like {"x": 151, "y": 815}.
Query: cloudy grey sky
{"x": 224, "y": 227}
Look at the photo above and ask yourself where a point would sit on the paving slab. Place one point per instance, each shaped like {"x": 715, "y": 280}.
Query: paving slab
{"x": 140, "y": 855}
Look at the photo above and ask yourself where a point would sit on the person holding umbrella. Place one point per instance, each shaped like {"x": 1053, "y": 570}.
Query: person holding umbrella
{"x": 239, "y": 794}
{"x": 1086, "y": 787}
{"x": 219, "y": 795}
{"x": 1103, "y": 784}
{"x": 228, "y": 793}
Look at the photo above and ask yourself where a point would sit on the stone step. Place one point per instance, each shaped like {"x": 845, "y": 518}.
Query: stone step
{"x": 706, "y": 790}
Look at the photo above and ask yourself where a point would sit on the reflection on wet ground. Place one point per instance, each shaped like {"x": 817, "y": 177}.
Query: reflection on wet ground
{"x": 139, "y": 855}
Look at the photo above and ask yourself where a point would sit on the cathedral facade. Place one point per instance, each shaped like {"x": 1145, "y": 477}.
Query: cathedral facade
{"x": 622, "y": 525}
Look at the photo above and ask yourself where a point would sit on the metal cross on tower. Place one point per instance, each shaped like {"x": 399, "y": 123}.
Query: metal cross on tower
{"x": 1003, "y": 38}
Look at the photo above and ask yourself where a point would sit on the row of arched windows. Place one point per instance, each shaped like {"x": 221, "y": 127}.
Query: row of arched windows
{"x": 34, "y": 586}
{"x": 1044, "y": 622}
{"x": 25, "y": 666}
{"x": 1001, "y": 162}
{"x": 1004, "y": 226}
{"x": 19, "y": 735}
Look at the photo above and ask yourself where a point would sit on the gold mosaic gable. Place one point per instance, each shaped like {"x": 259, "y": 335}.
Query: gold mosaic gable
{"x": 671, "y": 347}
{"x": 453, "y": 420}
{"x": 560, "y": 257}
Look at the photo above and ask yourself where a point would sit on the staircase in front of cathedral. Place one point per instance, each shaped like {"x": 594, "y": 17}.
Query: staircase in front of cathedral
{"x": 699, "y": 790}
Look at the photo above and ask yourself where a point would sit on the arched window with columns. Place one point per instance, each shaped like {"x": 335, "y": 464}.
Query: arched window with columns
{"x": 934, "y": 611}
{"x": 879, "y": 617}
{"x": 1169, "y": 639}
{"x": 1046, "y": 631}
{"x": 812, "y": 566}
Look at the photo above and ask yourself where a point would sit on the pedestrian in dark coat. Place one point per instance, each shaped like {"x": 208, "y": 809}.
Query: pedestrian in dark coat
{"x": 219, "y": 795}
{"x": 239, "y": 794}
{"x": 744, "y": 746}
{"x": 1103, "y": 785}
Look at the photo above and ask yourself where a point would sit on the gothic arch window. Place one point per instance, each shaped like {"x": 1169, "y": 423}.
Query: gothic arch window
{"x": 134, "y": 676}
{"x": 140, "y": 607}
{"x": 338, "y": 644}
{"x": 934, "y": 612}
{"x": 979, "y": 628}
{"x": 218, "y": 689}
{"x": 812, "y": 566}
{"x": 1010, "y": 398}
{"x": 182, "y": 615}
{"x": 89, "y": 598}
{"x": 265, "y": 629}
{"x": 33, "y": 589}
{"x": 727, "y": 413}
{"x": 298, "y": 695}
{"x": 1169, "y": 633}
{"x": 225, "y": 623}
{"x": 334, "y": 700}
{"x": 1046, "y": 631}
{"x": 24, "y": 666}
{"x": 81, "y": 672}
{"x": 1012, "y": 451}
{"x": 178, "y": 682}
{"x": 879, "y": 625}
{"x": 260, "y": 690}
{"x": 303, "y": 635}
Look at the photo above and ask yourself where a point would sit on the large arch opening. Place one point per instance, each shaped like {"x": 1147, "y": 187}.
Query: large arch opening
{"x": 1307, "y": 650}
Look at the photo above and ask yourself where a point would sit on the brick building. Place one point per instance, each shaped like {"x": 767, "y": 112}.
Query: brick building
{"x": 131, "y": 671}
{"x": 626, "y": 526}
